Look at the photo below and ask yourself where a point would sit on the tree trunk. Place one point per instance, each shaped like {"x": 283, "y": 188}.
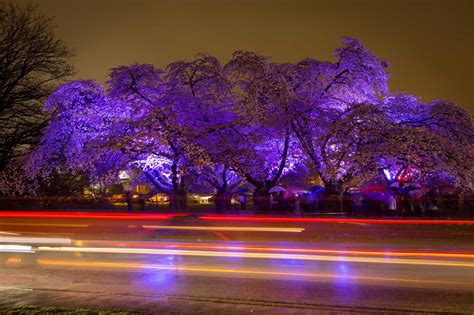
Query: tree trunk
{"x": 178, "y": 202}
{"x": 332, "y": 196}
{"x": 262, "y": 199}
{"x": 223, "y": 201}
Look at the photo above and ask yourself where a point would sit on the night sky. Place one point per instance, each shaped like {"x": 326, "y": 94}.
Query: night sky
{"x": 428, "y": 43}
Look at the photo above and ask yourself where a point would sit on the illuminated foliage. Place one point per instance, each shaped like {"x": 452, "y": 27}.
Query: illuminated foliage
{"x": 198, "y": 125}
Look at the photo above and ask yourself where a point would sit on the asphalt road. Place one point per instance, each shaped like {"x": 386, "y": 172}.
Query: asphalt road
{"x": 187, "y": 264}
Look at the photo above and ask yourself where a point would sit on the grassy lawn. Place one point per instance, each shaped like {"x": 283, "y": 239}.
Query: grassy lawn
{"x": 17, "y": 310}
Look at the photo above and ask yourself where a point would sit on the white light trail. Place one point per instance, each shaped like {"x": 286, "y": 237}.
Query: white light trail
{"x": 16, "y": 249}
{"x": 8, "y": 233}
{"x": 35, "y": 240}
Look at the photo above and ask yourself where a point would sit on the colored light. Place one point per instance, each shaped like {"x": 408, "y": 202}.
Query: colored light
{"x": 16, "y": 249}
{"x": 35, "y": 240}
{"x": 147, "y": 251}
{"x": 87, "y": 215}
{"x": 225, "y": 228}
{"x": 289, "y": 250}
{"x": 387, "y": 174}
{"x": 14, "y": 260}
{"x": 95, "y": 264}
{"x": 47, "y": 225}
{"x": 333, "y": 220}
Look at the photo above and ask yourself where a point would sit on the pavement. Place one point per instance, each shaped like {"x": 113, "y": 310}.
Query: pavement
{"x": 187, "y": 264}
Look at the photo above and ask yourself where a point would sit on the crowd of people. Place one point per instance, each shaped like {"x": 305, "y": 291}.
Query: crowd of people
{"x": 409, "y": 200}
{"x": 404, "y": 201}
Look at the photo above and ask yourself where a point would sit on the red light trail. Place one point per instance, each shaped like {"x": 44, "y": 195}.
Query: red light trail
{"x": 87, "y": 215}
{"x": 332, "y": 220}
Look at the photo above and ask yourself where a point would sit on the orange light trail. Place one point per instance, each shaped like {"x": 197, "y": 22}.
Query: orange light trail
{"x": 221, "y": 254}
{"x": 13, "y": 261}
{"x": 289, "y": 250}
{"x": 72, "y": 263}
{"x": 225, "y": 228}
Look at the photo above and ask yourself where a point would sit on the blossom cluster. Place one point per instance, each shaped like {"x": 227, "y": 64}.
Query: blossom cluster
{"x": 201, "y": 125}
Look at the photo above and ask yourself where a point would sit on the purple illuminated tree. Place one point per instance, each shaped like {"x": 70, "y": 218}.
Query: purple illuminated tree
{"x": 305, "y": 99}
{"x": 260, "y": 102}
{"x": 81, "y": 117}
{"x": 159, "y": 136}
{"x": 433, "y": 141}
{"x": 325, "y": 93}
{"x": 201, "y": 125}
{"x": 201, "y": 92}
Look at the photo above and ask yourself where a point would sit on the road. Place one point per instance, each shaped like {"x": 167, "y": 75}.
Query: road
{"x": 206, "y": 264}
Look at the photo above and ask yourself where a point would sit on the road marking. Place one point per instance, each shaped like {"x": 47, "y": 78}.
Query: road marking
{"x": 225, "y": 228}
{"x": 234, "y": 271}
{"x": 198, "y": 253}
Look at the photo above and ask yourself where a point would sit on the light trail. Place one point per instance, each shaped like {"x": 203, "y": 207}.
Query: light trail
{"x": 282, "y": 249}
{"x": 35, "y": 240}
{"x": 15, "y": 288}
{"x": 222, "y": 254}
{"x": 13, "y": 261}
{"x": 46, "y": 225}
{"x": 87, "y": 215}
{"x": 16, "y": 249}
{"x": 141, "y": 266}
{"x": 225, "y": 228}
{"x": 49, "y": 234}
{"x": 334, "y": 220}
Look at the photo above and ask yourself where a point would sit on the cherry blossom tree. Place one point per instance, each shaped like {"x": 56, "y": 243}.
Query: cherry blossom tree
{"x": 324, "y": 93}
{"x": 81, "y": 117}
{"x": 260, "y": 101}
{"x": 305, "y": 99}
{"x": 158, "y": 136}
{"x": 201, "y": 92}
{"x": 431, "y": 140}
{"x": 199, "y": 123}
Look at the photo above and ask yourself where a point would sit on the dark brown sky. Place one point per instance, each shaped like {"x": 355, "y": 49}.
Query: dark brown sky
{"x": 430, "y": 43}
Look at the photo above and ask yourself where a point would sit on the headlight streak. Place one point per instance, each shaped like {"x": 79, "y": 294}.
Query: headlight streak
{"x": 222, "y": 254}
{"x": 225, "y": 228}
{"x": 35, "y": 240}
{"x": 141, "y": 266}
{"x": 16, "y": 249}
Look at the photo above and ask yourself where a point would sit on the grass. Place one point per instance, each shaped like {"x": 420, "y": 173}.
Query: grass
{"x": 38, "y": 310}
